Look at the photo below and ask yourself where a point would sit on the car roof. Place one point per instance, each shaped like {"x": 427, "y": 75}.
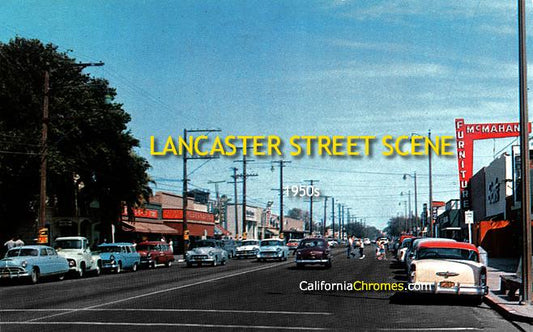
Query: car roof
{"x": 116, "y": 244}
{"x": 30, "y": 247}
{"x": 421, "y": 240}
{"x": 452, "y": 245}
{"x": 71, "y": 238}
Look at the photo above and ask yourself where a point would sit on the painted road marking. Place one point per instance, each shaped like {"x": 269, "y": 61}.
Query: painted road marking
{"x": 218, "y": 326}
{"x": 266, "y": 312}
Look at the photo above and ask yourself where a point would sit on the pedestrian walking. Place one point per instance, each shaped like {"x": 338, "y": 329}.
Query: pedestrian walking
{"x": 361, "y": 250}
{"x": 171, "y": 245}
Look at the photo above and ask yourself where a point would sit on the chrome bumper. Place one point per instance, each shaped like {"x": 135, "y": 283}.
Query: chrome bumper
{"x": 435, "y": 288}
{"x": 312, "y": 261}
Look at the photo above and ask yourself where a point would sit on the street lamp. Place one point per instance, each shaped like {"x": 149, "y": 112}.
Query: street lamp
{"x": 416, "y": 196}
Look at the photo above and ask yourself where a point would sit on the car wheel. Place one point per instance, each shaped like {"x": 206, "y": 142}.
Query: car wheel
{"x": 34, "y": 277}
{"x": 61, "y": 277}
{"x": 168, "y": 264}
{"x": 97, "y": 271}
{"x": 119, "y": 268}
{"x": 81, "y": 271}
{"x": 223, "y": 262}
{"x": 134, "y": 267}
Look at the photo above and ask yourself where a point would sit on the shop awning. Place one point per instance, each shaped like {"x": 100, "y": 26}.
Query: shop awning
{"x": 219, "y": 230}
{"x": 148, "y": 227}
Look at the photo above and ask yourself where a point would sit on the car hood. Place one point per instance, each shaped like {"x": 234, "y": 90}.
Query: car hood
{"x": 202, "y": 250}
{"x": 436, "y": 270}
{"x": 269, "y": 248}
{"x": 15, "y": 261}
{"x": 251, "y": 247}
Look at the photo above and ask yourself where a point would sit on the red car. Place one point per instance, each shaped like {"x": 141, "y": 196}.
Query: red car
{"x": 313, "y": 251}
{"x": 155, "y": 253}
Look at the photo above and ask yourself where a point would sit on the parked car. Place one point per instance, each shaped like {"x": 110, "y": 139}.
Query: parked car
{"x": 119, "y": 256}
{"x": 415, "y": 244}
{"x": 249, "y": 248}
{"x": 206, "y": 252}
{"x": 78, "y": 254}
{"x": 272, "y": 249}
{"x": 293, "y": 244}
{"x": 313, "y": 251}
{"x": 366, "y": 241}
{"x": 154, "y": 253}
{"x": 333, "y": 243}
{"x": 229, "y": 246}
{"x": 32, "y": 263}
{"x": 448, "y": 268}
{"x": 400, "y": 256}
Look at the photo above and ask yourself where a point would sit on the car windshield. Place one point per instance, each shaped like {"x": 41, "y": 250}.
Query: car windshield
{"x": 145, "y": 247}
{"x": 22, "y": 252}
{"x": 270, "y": 243}
{"x": 200, "y": 244}
{"x": 250, "y": 243}
{"x": 312, "y": 244}
{"x": 68, "y": 244}
{"x": 449, "y": 253}
{"x": 109, "y": 249}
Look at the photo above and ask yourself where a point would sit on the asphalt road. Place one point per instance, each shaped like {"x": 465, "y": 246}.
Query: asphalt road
{"x": 243, "y": 295}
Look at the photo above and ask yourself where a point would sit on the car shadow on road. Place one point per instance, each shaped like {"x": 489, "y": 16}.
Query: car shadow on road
{"x": 406, "y": 298}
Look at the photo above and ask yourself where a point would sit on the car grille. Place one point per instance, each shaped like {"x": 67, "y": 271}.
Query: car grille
{"x": 199, "y": 257}
{"x": 246, "y": 252}
{"x": 11, "y": 269}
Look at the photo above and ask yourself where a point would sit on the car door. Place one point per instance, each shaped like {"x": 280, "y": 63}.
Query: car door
{"x": 55, "y": 259}
{"x": 44, "y": 262}
{"x": 129, "y": 256}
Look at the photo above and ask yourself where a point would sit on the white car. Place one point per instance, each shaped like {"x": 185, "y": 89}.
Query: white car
{"x": 272, "y": 249}
{"x": 249, "y": 248}
{"x": 366, "y": 241}
{"x": 448, "y": 268}
{"x": 80, "y": 259}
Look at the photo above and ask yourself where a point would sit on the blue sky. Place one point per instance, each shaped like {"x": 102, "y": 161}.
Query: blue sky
{"x": 297, "y": 68}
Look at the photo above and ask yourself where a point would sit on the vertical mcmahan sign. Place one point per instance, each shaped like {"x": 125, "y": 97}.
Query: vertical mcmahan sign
{"x": 465, "y": 135}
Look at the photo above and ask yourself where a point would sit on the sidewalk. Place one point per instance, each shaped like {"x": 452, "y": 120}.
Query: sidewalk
{"x": 500, "y": 302}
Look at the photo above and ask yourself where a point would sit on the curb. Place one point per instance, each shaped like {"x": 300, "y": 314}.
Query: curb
{"x": 492, "y": 301}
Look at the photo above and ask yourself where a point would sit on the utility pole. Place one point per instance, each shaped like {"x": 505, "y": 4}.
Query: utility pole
{"x": 333, "y": 215}
{"x": 235, "y": 177}
{"x": 325, "y": 215}
{"x": 342, "y": 226}
{"x": 348, "y": 220}
{"x": 185, "y": 200}
{"x": 244, "y": 176}
{"x": 526, "y": 290}
{"x": 340, "y": 219}
{"x": 311, "y": 182}
{"x": 44, "y": 138}
{"x": 431, "y": 221}
{"x": 281, "y": 164}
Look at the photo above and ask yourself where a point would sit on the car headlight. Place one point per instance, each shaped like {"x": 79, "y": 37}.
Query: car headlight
{"x": 211, "y": 253}
{"x": 24, "y": 264}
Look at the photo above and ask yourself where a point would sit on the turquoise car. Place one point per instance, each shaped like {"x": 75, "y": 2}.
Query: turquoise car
{"x": 119, "y": 256}
{"x": 32, "y": 263}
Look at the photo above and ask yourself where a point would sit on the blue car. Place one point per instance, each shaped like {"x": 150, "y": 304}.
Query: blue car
{"x": 32, "y": 262}
{"x": 119, "y": 256}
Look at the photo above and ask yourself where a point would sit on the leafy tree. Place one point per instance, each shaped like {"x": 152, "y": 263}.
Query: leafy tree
{"x": 87, "y": 138}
